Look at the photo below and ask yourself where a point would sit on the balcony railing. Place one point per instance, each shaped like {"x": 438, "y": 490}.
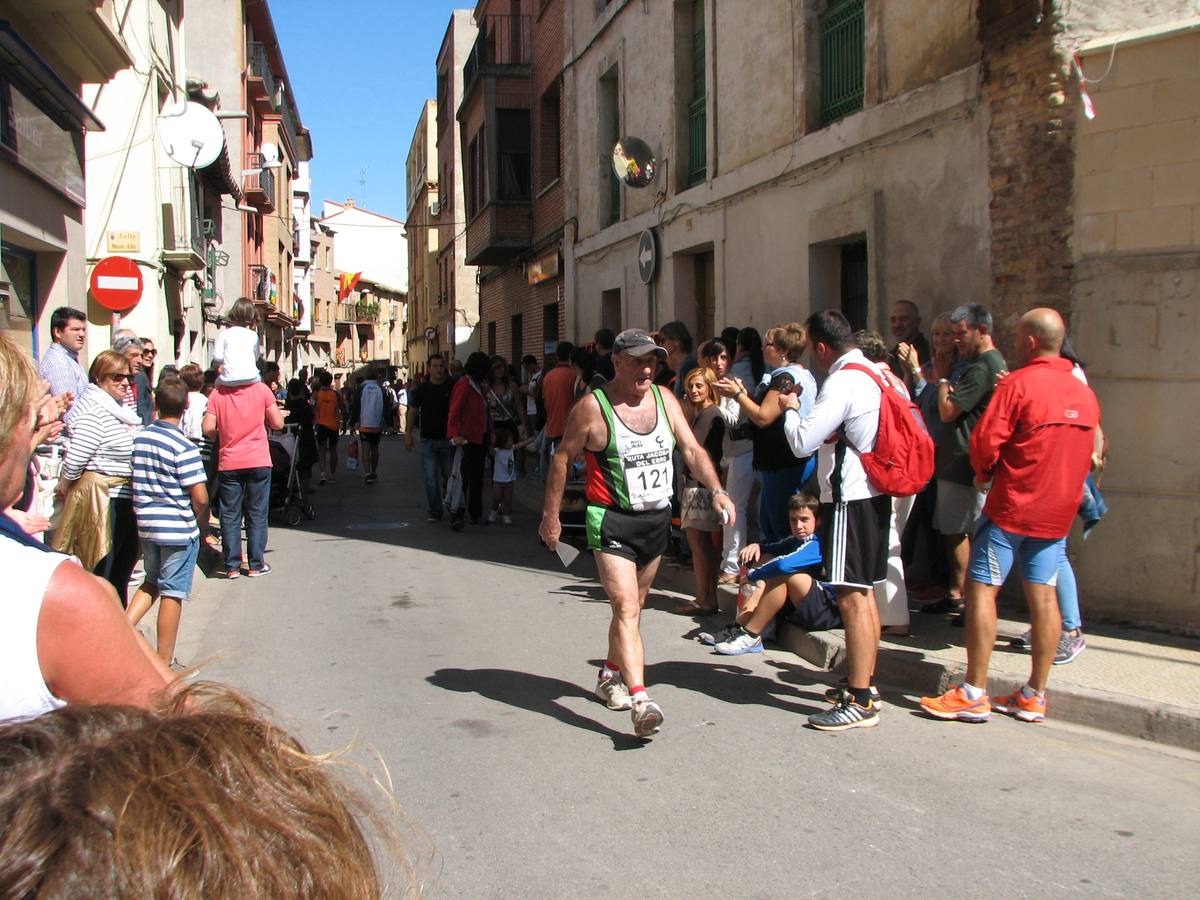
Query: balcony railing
{"x": 260, "y": 81}
{"x": 183, "y": 243}
{"x": 502, "y": 41}
{"x": 259, "y": 183}
{"x": 364, "y": 311}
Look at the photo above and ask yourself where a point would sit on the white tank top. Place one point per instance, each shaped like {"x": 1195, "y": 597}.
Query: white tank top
{"x": 635, "y": 471}
{"x": 27, "y": 571}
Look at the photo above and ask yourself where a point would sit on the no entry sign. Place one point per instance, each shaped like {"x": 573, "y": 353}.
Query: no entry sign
{"x": 117, "y": 283}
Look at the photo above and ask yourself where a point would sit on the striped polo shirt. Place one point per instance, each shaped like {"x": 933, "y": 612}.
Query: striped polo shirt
{"x": 165, "y": 465}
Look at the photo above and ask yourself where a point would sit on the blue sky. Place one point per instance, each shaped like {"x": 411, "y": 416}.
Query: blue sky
{"x": 360, "y": 70}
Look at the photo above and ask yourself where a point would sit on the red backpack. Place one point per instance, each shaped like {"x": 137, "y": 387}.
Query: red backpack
{"x": 902, "y": 462}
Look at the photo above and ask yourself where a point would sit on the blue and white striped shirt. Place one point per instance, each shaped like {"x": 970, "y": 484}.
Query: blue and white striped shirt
{"x": 165, "y": 465}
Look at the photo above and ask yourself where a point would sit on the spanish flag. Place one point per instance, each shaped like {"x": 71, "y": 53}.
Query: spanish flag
{"x": 347, "y": 283}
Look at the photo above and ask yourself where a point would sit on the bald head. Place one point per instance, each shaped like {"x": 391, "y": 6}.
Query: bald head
{"x": 1047, "y": 328}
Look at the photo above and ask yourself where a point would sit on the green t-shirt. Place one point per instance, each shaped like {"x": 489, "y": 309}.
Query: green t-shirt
{"x": 971, "y": 393}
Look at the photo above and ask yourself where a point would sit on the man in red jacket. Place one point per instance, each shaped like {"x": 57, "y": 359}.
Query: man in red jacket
{"x": 468, "y": 427}
{"x": 1034, "y": 444}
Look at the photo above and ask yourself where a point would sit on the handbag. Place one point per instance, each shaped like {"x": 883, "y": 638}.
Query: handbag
{"x": 454, "y": 484}
{"x": 698, "y": 510}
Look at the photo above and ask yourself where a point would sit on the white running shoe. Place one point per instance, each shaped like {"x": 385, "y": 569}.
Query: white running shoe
{"x": 491, "y": 519}
{"x": 507, "y": 520}
{"x": 647, "y": 717}
{"x": 741, "y": 643}
{"x": 612, "y": 693}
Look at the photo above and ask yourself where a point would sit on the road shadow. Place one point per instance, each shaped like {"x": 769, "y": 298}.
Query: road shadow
{"x": 728, "y": 682}
{"x": 536, "y": 693}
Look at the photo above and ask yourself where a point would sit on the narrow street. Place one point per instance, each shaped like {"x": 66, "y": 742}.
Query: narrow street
{"x": 464, "y": 662}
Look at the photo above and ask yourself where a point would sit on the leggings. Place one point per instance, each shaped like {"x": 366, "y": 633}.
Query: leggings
{"x": 118, "y": 565}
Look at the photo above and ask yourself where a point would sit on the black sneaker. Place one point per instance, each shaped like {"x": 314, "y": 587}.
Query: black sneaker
{"x": 457, "y": 523}
{"x": 846, "y": 715}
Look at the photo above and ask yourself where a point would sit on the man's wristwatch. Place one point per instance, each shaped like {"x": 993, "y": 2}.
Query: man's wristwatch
{"x": 719, "y": 492}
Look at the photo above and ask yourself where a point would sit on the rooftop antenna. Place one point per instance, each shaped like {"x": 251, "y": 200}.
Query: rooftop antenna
{"x": 362, "y": 182}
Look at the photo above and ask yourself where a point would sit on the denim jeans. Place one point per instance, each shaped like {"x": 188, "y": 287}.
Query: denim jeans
{"x": 436, "y": 457}
{"x": 244, "y": 491}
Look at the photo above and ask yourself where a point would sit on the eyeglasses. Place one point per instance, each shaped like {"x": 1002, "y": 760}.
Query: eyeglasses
{"x": 120, "y": 376}
{"x": 149, "y": 353}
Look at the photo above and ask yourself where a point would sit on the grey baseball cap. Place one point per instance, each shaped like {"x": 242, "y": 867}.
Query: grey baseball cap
{"x": 636, "y": 342}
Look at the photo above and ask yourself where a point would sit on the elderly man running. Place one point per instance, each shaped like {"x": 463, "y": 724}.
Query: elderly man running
{"x": 628, "y": 430}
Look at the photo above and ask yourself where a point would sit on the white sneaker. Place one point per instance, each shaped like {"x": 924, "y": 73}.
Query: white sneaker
{"x": 741, "y": 643}
{"x": 491, "y": 519}
{"x": 612, "y": 693}
{"x": 507, "y": 520}
{"x": 647, "y": 717}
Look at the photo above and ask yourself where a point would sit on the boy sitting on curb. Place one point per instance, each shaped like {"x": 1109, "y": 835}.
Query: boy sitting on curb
{"x": 789, "y": 579}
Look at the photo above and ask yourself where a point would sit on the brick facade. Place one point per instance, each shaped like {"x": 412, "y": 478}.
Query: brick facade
{"x": 1031, "y": 147}
{"x": 504, "y": 290}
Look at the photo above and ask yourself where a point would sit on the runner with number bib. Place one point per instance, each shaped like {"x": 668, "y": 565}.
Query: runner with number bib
{"x": 627, "y": 431}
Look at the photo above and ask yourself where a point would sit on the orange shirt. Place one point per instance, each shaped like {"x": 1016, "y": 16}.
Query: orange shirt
{"x": 327, "y": 403}
{"x": 558, "y": 393}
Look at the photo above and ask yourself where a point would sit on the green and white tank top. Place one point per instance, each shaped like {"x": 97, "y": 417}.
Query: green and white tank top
{"x": 634, "y": 471}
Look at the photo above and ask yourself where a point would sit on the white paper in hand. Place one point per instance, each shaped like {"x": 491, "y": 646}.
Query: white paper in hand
{"x": 566, "y": 553}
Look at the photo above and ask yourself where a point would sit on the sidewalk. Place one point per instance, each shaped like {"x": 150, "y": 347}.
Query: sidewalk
{"x": 1128, "y": 681}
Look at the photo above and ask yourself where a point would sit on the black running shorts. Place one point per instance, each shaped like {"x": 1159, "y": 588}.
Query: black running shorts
{"x": 854, "y": 538}
{"x": 638, "y": 536}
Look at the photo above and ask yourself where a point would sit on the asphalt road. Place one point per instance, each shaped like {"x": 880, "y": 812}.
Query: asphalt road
{"x": 461, "y": 666}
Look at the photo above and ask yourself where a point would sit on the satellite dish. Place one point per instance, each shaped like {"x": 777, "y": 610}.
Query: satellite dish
{"x": 190, "y": 134}
{"x": 270, "y": 154}
{"x": 634, "y": 162}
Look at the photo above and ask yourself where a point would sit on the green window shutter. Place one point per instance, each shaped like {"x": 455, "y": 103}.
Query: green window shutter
{"x": 842, "y": 59}
{"x": 697, "y": 109}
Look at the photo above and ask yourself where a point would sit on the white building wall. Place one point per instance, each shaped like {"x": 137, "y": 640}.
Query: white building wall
{"x": 369, "y": 243}
{"x": 130, "y": 179}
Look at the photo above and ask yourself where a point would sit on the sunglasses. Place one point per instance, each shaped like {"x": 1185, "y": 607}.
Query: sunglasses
{"x": 149, "y": 353}
{"x": 121, "y": 377}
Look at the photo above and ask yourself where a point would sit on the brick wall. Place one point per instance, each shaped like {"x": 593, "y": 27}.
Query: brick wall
{"x": 504, "y": 291}
{"x": 1032, "y": 104}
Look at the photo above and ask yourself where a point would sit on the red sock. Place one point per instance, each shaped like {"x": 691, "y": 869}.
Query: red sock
{"x": 637, "y": 687}
{"x": 611, "y": 666}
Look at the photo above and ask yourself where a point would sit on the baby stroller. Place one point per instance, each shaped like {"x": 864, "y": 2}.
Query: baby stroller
{"x": 286, "y": 496}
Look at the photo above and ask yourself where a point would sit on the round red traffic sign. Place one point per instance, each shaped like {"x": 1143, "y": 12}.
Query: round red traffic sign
{"x": 117, "y": 283}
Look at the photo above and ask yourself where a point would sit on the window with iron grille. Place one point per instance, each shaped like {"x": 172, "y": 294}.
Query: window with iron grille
{"x": 842, "y": 59}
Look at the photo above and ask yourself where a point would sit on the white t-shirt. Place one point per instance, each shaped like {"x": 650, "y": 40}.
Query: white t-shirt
{"x": 189, "y": 424}
{"x": 23, "y": 690}
{"x": 237, "y": 351}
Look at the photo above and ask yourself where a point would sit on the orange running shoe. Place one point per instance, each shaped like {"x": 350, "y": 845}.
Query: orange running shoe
{"x": 1027, "y": 709}
{"x": 954, "y": 704}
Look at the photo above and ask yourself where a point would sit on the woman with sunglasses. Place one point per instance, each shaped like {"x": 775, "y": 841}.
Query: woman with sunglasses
{"x": 98, "y": 524}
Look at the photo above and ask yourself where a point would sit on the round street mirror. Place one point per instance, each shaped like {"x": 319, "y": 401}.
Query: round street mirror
{"x": 634, "y": 162}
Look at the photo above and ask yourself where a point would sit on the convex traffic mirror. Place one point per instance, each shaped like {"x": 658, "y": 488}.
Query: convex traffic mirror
{"x": 634, "y": 162}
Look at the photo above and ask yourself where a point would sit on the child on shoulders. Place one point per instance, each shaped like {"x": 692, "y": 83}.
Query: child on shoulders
{"x": 236, "y": 351}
